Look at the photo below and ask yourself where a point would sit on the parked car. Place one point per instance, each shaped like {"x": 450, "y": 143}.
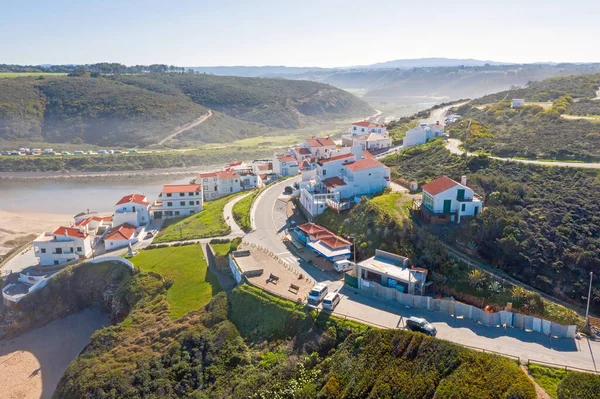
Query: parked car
{"x": 117, "y": 152}
{"x": 418, "y": 324}
{"x": 331, "y": 300}
{"x": 102, "y": 152}
{"x": 65, "y": 153}
{"x": 343, "y": 265}
{"x": 77, "y": 152}
{"x": 317, "y": 294}
{"x": 292, "y": 224}
{"x": 132, "y": 151}
{"x": 288, "y": 189}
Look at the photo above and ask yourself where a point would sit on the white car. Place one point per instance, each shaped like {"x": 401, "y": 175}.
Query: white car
{"x": 331, "y": 300}
{"x": 317, "y": 293}
{"x": 341, "y": 266}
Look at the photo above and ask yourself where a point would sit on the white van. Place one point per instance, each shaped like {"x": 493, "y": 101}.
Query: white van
{"x": 343, "y": 265}
{"x": 331, "y": 300}
{"x": 317, "y": 294}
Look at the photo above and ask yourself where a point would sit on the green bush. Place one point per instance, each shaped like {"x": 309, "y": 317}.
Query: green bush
{"x": 579, "y": 386}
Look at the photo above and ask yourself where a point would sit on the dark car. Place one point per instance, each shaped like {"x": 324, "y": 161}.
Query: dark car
{"x": 420, "y": 325}
{"x": 288, "y": 189}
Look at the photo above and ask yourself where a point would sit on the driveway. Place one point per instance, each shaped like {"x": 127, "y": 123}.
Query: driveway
{"x": 510, "y": 341}
{"x": 228, "y": 215}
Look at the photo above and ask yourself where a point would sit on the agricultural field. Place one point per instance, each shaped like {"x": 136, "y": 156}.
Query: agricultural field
{"x": 28, "y": 74}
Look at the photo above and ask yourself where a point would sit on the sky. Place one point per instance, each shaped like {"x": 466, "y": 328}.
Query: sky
{"x": 324, "y": 33}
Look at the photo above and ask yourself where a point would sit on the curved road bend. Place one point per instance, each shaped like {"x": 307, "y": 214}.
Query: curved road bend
{"x": 188, "y": 126}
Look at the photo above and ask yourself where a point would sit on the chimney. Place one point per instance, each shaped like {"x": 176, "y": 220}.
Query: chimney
{"x": 463, "y": 180}
{"x": 357, "y": 152}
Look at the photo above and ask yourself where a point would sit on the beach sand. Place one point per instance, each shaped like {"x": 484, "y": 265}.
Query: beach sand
{"x": 31, "y": 365}
{"x": 19, "y": 224}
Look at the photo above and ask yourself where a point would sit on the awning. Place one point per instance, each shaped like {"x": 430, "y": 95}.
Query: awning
{"x": 327, "y": 252}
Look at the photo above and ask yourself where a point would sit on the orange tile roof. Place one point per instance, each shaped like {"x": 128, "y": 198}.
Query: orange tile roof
{"x": 227, "y": 174}
{"x": 286, "y": 158}
{"x": 326, "y": 236}
{"x": 439, "y": 185}
{"x": 367, "y": 124}
{"x": 333, "y": 182}
{"x": 209, "y": 174}
{"x": 84, "y": 222}
{"x": 266, "y": 166}
{"x": 70, "y": 232}
{"x": 320, "y": 142}
{"x": 122, "y": 232}
{"x": 367, "y": 155}
{"x": 336, "y": 158}
{"x": 181, "y": 188}
{"x": 135, "y": 198}
{"x": 303, "y": 151}
{"x": 363, "y": 164}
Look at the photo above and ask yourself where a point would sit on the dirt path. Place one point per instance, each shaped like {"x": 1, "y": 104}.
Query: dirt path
{"x": 183, "y": 128}
{"x": 539, "y": 391}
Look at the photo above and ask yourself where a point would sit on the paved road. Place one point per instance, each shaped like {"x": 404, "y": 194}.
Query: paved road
{"x": 453, "y": 146}
{"x": 188, "y": 126}
{"x": 228, "y": 215}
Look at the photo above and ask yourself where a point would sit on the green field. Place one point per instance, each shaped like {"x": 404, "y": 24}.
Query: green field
{"x": 26, "y": 74}
{"x": 193, "y": 284}
{"x": 241, "y": 211}
{"x": 207, "y": 223}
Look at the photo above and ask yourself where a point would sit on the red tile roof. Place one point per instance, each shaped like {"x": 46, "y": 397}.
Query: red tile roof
{"x": 367, "y": 124}
{"x": 84, "y": 222}
{"x": 336, "y": 158}
{"x": 122, "y": 232}
{"x": 286, "y": 158}
{"x": 333, "y": 182}
{"x": 367, "y": 155}
{"x": 320, "y": 141}
{"x": 303, "y": 151}
{"x": 181, "y": 188}
{"x": 439, "y": 185}
{"x": 227, "y": 174}
{"x": 209, "y": 174}
{"x": 321, "y": 233}
{"x": 266, "y": 166}
{"x": 363, "y": 164}
{"x": 135, "y": 198}
{"x": 69, "y": 231}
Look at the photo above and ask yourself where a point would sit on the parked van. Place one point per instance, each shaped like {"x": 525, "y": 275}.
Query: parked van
{"x": 343, "y": 265}
{"x": 317, "y": 294}
{"x": 331, "y": 300}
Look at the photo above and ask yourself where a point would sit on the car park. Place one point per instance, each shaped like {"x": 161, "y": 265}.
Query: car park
{"x": 317, "y": 293}
{"x": 421, "y": 325}
{"x": 331, "y": 300}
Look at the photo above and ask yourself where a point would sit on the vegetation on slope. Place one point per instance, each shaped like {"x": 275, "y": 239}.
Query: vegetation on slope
{"x": 563, "y": 384}
{"x": 540, "y": 225}
{"x": 207, "y": 223}
{"x": 185, "y": 267}
{"x": 241, "y": 211}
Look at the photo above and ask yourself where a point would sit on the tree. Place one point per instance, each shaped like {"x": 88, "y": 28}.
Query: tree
{"x": 477, "y": 278}
{"x": 518, "y": 292}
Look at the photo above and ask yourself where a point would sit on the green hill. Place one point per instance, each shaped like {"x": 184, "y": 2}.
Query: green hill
{"x": 139, "y": 110}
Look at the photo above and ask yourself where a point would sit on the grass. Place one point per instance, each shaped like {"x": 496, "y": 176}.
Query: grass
{"x": 241, "y": 211}
{"x": 207, "y": 223}
{"x": 396, "y": 205}
{"x": 26, "y": 74}
{"x": 547, "y": 377}
{"x": 193, "y": 284}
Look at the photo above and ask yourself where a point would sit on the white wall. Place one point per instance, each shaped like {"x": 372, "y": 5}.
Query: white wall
{"x": 134, "y": 214}
{"x": 415, "y": 136}
{"x": 368, "y": 181}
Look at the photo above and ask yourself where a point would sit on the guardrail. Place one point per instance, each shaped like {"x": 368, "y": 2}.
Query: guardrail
{"x": 561, "y": 366}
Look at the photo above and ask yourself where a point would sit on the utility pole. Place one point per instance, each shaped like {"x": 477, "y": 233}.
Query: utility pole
{"x": 587, "y": 310}
{"x": 353, "y": 247}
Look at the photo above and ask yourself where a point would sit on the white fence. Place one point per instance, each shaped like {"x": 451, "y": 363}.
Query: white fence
{"x": 123, "y": 261}
{"x": 461, "y": 310}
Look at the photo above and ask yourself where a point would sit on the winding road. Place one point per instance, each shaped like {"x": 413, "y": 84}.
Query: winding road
{"x": 185, "y": 127}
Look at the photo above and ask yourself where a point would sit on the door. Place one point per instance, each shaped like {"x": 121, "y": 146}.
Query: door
{"x": 475, "y": 211}
{"x": 447, "y": 205}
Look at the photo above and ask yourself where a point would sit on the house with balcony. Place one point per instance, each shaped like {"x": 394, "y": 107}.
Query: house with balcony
{"x": 447, "y": 201}
{"x": 219, "y": 184}
{"x": 122, "y": 236}
{"x": 363, "y": 128}
{"x": 133, "y": 209}
{"x": 393, "y": 271}
{"x": 372, "y": 142}
{"x": 94, "y": 225}
{"x": 422, "y": 133}
{"x": 178, "y": 200}
{"x": 285, "y": 165}
{"x": 318, "y": 147}
{"x": 63, "y": 245}
{"x": 324, "y": 242}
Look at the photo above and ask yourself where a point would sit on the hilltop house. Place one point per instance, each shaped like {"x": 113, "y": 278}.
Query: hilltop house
{"x": 122, "y": 236}
{"x": 178, "y": 200}
{"x": 324, "y": 242}
{"x": 133, "y": 209}
{"x": 517, "y": 102}
{"x": 285, "y": 165}
{"x": 363, "y": 128}
{"x": 65, "y": 244}
{"x": 93, "y": 225}
{"x": 391, "y": 270}
{"x": 445, "y": 200}
{"x": 422, "y": 133}
{"x": 372, "y": 142}
{"x": 219, "y": 184}
{"x": 319, "y": 147}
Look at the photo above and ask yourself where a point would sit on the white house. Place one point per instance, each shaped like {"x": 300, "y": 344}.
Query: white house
{"x": 178, "y": 200}
{"x": 372, "y": 142}
{"x": 319, "y": 147}
{"x": 422, "y": 133}
{"x": 445, "y": 200}
{"x": 517, "y": 102}
{"x": 391, "y": 270}
{"x": 363, "y": 127}
{"x": 121, "y": 236}
{"x": 262, "y": 166}
{"x": 323, "y": 242}
{"x": 285, "y": 165}
{"x": 93, "y": 225}
{"x": 219, "y": 184}
{"x": 133, "y": 209}
{"x": 65, "y": 244}
{"x": 248, "y": 179}
{"x": 302, "y": 153}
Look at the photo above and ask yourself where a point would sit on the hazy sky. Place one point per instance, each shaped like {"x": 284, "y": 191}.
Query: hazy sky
{"x": 295, "y": 32}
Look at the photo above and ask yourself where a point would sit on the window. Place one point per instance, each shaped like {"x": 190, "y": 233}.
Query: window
{"x": 58, "y": 251}
{"x": 169, "y": 204}
{"x": 181, "y": 194}
{"x": 463, "y": 207}
{"x": 143, "y": 217}
{"x": 354, "y": 128}
{"x": 215, "y": 179}
{"x": 191, "y": 202}
{"x": 182, "y": 203}
{"x": 230, "y": 189}
{"x": 168, "y": 194}
{"x": 197, "y": 202}
{"x": 205, "y": 179}
{"x": 43, "y": 250}
{"x": 324, "y": 172}
{"x": 205, "y": 188}
{"x": 213, "y": 194}
{"x": 176, "y": 213}
{"x": 56, "y": 262}
{"x": 191, "y": 194}
{"x": 133, "y": 208}
{"x": 78, "y": 249}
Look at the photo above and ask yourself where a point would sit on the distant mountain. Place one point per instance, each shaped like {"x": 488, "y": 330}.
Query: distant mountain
{"x": 255, "y": 71}
{"x": 429, "y": 62}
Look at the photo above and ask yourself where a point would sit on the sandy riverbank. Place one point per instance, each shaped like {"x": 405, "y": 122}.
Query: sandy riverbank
{"x": 31, "y": 365}
{"x": 19, "y": 224}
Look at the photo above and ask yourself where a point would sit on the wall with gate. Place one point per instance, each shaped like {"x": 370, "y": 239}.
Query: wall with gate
{"x": 461, "y": 310}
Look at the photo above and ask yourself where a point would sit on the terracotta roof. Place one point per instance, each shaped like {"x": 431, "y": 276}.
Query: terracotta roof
{"x": 367, "y": 155}
{"x": 227, "y": 174}
{"x": 231, "y": 165}
{"x": 439, "y": 185}
{"x": 181, "y": 188}
{"x": 303, "y": 151}
{"x": 320, "y": 142}
{"x": 122, "y": 232}
{"x": 286, "y": 158}
{"x": 367, "y": 124}
{"x": 363, "y": 164}
{"x": 336, "y": 158}
{"x": 321, "y": 233}
{"x": 135, "y": 198}
{"x": 305, "y": 163}
{"x": 265, "y": 166}
{"x": 333, "y": 182}
{"x": 84, "y": 222}
{"x": 70, "y": 232}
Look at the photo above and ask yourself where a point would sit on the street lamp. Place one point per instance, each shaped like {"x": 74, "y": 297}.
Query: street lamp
{"x": 587, "y": 311}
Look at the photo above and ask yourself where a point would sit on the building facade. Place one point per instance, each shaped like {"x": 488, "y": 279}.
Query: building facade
{"x": 219, "y": 184}
{"x": 445, "y": 200}
{"x": 133, "y": 209}
{"x": 178, "y": 200}
{"x": 63, "y": 245}
{"x": 285, "y": 165}
{"x": 122, "y": 236}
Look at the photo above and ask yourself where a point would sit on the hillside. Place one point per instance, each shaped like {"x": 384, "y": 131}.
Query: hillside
{"x": 139, "y": 110}
{"x": 536, "y": 131}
